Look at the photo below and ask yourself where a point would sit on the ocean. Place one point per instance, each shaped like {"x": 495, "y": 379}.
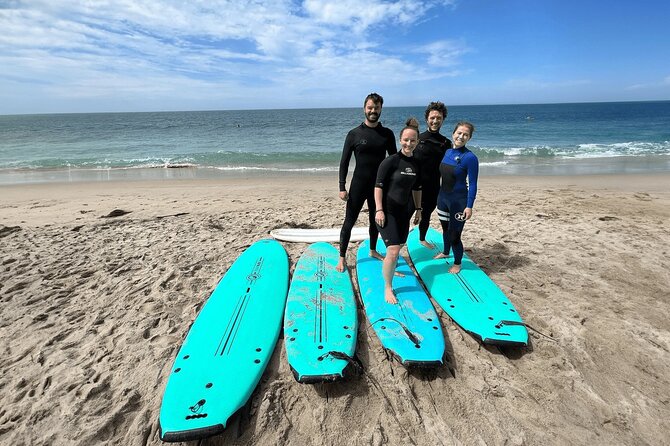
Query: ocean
{"x": 541, "y": 139}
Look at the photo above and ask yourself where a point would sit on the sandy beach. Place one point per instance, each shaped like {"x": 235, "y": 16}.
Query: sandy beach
{"x": 94, "y": 308}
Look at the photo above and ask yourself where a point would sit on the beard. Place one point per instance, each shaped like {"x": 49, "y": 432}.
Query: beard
{"x": 372, "y": 117}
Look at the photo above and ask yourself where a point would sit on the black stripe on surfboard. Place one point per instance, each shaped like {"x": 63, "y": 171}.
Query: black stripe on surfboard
{"x": 468, "y": 289}
{"x": 234, "y": 322}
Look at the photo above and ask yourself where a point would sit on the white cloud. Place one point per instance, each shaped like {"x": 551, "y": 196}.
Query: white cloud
{"x": 444, "y": 53}
{"x": 650, "y": 85}
{"x": 149, "y": 48}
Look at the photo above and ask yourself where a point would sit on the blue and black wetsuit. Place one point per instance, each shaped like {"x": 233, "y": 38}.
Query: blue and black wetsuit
{"x": 398, "y": 176}
{"x": 459, "y": 171}
{"x": 369, "y": 145}
{"x": 429, "y": 153}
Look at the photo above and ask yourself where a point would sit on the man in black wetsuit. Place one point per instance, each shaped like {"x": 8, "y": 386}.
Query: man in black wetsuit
{"x": 370, "y": 142}
{"x": 429, "y": 153}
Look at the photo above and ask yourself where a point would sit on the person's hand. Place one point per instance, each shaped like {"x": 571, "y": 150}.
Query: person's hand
{"x": 417, "y": 217}
{"x": 344, "y": 195}
{"x": 468, "y": 213}
{"x": 380, "y": 218}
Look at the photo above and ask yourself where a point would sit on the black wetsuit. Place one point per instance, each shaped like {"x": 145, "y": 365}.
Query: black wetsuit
{"x": 429, "y": 154}
{"x": 369, "y": 145}
{"x": 398, "y": 176}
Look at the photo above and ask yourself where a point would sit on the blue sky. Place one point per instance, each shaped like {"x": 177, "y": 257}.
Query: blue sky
{"x": 130, "y": 55}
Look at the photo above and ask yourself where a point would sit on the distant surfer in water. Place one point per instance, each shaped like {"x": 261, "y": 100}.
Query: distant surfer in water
{"x": 397, "y": 195}
{"x": 429, "y": 154}
{"x": 459, "y": 170}
{"x": 370, "y": 142}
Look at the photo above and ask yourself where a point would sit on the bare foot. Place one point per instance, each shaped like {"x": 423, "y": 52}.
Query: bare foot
{"x": 389, "y": 296}
{"x": 440, "y": 255}
{"x": 427, "y": 244}
{"x": 375, "y": 255}
{"x": 455, "y": 269}
{"x": 341, "y": 265}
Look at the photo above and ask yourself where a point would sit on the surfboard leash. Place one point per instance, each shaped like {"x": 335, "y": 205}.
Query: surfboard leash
{"x": 501, "y": 323}
{"x": 353, "y": 361}
{"x": 412, "y": 337}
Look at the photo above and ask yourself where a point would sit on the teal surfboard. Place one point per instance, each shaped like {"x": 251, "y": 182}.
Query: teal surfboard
{"x": 470, "y": 297}
{"x": 410, "y": 330}
{"x": 228, "y": 346}
{"x": 320, "y": 322}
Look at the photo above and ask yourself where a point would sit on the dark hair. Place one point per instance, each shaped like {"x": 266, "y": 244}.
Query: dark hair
{"x": 437, "y": 106}
{"x": 410, "y": 124}
{"x": 465, "y": 124}
{"x": 374, "y": 97}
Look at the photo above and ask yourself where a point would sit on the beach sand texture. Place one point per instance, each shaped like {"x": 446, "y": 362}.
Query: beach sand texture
{"x": 93, "y": 311}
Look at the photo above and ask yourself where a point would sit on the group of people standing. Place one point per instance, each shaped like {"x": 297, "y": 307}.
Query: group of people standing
{"x": 430, "y": 171}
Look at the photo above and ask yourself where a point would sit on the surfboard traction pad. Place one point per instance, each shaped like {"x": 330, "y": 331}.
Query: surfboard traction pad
{"x": 413, "y": 317}
{"x": 229, "y": 331}
{"x": 496, "y": 301}
{"x": 321, "y": 321}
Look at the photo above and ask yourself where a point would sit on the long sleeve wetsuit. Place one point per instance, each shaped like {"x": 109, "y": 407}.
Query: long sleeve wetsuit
{"x": 459, "y": 171}
{"x": 369, "y": 145}
{"x": 429, "y": 153}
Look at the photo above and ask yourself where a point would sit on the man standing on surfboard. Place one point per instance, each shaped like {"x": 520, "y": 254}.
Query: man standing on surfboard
{"x": 429, "y": 153}
{"x": 370, "y": 142}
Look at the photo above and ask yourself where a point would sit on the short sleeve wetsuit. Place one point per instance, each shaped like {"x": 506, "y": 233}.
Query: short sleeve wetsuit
{"x": 398, "y": 176}
{"x": 459, "y": 171}
{"x": 429, "y": 153}
{"x": 369, "y": 145}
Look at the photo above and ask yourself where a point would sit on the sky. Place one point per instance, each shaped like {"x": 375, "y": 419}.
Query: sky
{"x": 59, "y": 56}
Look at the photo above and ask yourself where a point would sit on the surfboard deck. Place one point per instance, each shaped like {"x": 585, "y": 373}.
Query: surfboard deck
{"x": 410, "y": 330}
{"x": 470, "y": 298}
{"x": 228, "y": 346}
{"x": 317, "y": 235}
{"x": 320, "y": 322}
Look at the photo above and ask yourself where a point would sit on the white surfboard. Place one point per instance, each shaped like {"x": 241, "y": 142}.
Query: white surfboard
{"x": 317, "y": 235}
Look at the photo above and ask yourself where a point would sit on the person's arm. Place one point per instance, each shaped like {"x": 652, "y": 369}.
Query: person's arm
{"x": 416, "y": 195}
{"x": 347, "y": 151}
{"x": 382, "y": 174}
{"x": 473, "y": 175}
{"x": 380, "y": 213}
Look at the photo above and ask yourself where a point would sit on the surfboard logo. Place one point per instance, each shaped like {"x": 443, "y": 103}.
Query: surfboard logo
{"x": 196, "y": 409}
{"x": 256, "y": 272}
{"x": 321, "y": 269}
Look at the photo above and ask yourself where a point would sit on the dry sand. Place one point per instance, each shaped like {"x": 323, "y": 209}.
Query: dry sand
{"x": 93, "y": 310}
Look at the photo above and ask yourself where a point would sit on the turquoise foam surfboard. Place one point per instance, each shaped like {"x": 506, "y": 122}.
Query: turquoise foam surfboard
{"x": 410, "y": 330}
{"x": 470, "y": 297}
{"x": 228, "y": 346}
{"x": 320, "y": 322}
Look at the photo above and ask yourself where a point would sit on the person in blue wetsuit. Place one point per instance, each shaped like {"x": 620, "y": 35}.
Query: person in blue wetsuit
{"x": 370, "y": 142}
{"x": 459, "y": 170}
{"x": 429, "y": 153}
{"x": 397, "y": 195}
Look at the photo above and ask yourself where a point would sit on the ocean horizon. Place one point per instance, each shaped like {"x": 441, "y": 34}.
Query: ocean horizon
{"x": 532, "y": 139}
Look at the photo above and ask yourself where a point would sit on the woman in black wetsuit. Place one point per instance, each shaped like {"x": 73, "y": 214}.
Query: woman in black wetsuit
{"x": 397, "y": 194}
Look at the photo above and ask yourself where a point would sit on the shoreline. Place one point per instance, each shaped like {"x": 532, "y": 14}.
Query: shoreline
{"x": 524, "y": 166}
